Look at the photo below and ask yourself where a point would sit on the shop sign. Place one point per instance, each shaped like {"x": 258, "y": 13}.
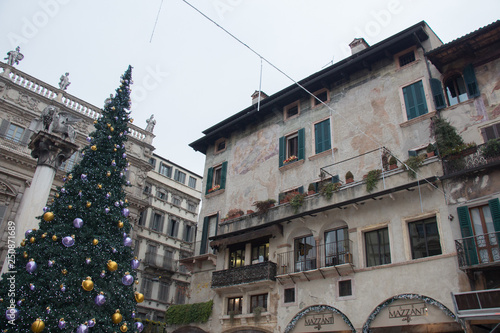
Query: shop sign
{"x": 318, "y": 320}
{"x": 405, "y": 312}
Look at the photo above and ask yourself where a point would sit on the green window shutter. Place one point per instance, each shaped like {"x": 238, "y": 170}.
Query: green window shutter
{"x": 414, "y": 96}
{"x": 409, "y": 102}
{"x": 301, "y": 143}
{"x": 470, "y": 81}
{"x": 322, "y": 136}
{"x": 204, "y": 235}
{"x": 420, "y": 94}
{"x": 223, "y": 175}
{"x": 437, "y": 94}
{"x": 467, "y": 233}
{"x": 282, "y": 150}
{"x": 495, "y": 213}
{"x": 210, "y": 174}
{"x": 301, "y": 189}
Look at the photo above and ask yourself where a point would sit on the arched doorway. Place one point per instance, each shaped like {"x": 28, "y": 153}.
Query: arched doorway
{"x": 412, "y": 313}
{"x": 321, "y": 318}
{"x": 189, "y": 329}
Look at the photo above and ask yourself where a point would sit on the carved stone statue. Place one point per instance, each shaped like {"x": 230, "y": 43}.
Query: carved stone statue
{"x": 53, "y": 120}
{"x": 151, "y": 124}
{"x": 64, "y": 81}
{"x": 13, "y": 57}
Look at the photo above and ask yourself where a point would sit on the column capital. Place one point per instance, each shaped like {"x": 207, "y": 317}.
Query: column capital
{"x": 51, "y": 150}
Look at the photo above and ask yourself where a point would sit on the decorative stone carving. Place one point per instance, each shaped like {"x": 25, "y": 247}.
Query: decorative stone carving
{"x": 53, "y": 120}
{"x": 29, "y": 102}
{"x": 51, "y": 150}
{"x": 64, "y": 81}
{"x": 150, "y": 124}
{"x": 13, "y": 57}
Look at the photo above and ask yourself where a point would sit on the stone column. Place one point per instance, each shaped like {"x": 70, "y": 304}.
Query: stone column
{"x": 51, "y": 151}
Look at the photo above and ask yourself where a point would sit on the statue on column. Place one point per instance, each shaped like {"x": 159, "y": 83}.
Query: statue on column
{"x": 53, "y": 120}
{"x": 13, "y": 57}
{"x": 64, "y": 81}
{"x": 151, "y": 124}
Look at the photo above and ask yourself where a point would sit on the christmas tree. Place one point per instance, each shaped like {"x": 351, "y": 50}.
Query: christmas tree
{"x": 76, "y": 273}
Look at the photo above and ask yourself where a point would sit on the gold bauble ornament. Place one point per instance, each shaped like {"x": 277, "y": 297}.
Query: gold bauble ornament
{"x": 87, "y": 284}
{"x": 131, "y": 120}
{"x": 57, "y": 195}
{"x": 23, "y": 242}
{"x": 120, "y": 224}
{"x": 139, "y": 298}
{"x": 95, "y": 122}
{"x": 88, "y": 204}
{"x": 44, "y": 235}
{"x": 95, "y": 241}
{"x": 70, "y": 207}
{"x": 126, "y": 201}
{"x": 108, "y": 173}
{"x": 94, "y": 147}
{"x": 112, "y": 265}
{"x": 109, "y": 125}
{"x": 124, "y": 328}
{"x": 54, "y": 238}
{"x": 70, "y": 176}
{"x": 99, "y": 186}
{"x": 48, "y": 216}
{"x": 116, "y": 317}
{"x": 64, "y": 271}
{"x": 25, "y": 254}
{"x": 111, "y": 129}
{"x": 32, "y": 240}
{"x": 114, "y": 149}
{"x": 38, "y": 326}
{"x": 136, "y": 281}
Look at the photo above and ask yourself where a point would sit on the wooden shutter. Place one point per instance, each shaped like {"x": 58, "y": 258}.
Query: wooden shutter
{"x": 204, "y": 235}
{"x": 470, "y": 81}
{"x": 437, "y": 94}
{"x": 162, "y": 220}
{"x": 176, "y": 228}
{"x": 282, "y": 149}
{"x": 301, "y": 143}
{"x": 322, "y": 136}
{"x": 210, "y": 174}
{"x": 495, "y": 213}
{"x": 467, "y": 233}
{"x": 414, "y": 97}
{"x": 223, "y": 174}
{"x": 4, "y": 126}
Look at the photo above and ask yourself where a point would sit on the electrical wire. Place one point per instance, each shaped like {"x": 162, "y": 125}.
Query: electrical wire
{"x": 157, "y": 16}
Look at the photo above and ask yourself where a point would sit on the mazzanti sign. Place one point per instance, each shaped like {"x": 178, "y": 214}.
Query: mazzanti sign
{"x": 406, "y": 312}
{"x": 318, "y": 320}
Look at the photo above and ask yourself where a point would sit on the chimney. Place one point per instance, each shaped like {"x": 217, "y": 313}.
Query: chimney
{"x": 255, "y": 96}
{"x": 358, "y": 44}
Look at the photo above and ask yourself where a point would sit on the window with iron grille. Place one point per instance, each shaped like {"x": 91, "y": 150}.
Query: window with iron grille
{"x": 406, "y": 58}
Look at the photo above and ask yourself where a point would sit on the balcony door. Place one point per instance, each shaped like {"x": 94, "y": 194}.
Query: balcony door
{"x": 484, "y": 231}
{"x": 305, "y": 253}
{"x": 336, "y": 247}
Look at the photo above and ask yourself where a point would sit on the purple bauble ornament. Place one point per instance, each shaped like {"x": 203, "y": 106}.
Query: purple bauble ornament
{"x": 138, "y": 326}
{"x": 64, "y": 179}
{"x": 83, "y": 176}
{"x": 88, "y": 261}
{"x": 108, "y": 195}
{"x": 19, "y": 302}
{"x": 91, "y": 323}
{"x": 82, "y": 329}
{"x": 80, "y": 194}
{"x": 114, "y": 250}
{"x": 32, "y": 286}
{"x": 109, "y": 137}
{"x": 127, "y": 241}
{"x": 27, "y": 233}
{"x": 89, "y": 139}
{"x": 45, "y": 209}
{"x": 51, "y": 263}
{"x": 48, "y": 310}
{"x": 135, "y": 263}
{"x": 63, "y": 190}
{"x": 128, "y": 182}
{"x": 121, "y": 174}
{"x": 100, "y": 299}
{"x": 121, "y": 202}
{"x": 12, "y": 314}
{"x": 68, "y": 241}
{"x": 133, "y": 314}
{"x": 78, "y": 223}
{"x": 124, "y": 155}
{"x": 102, "y": 275}
{"x": 117, "y": 204}
{"x": 63, "y": 288}
{"x": 127, "y": 279}
{"x": 116, "y": 118}
{"x": 125, "y": 212}
{"x": 61, "y": 324}
{"x": 106, "y": 210}
{"x": 113, "y": 163}
{"x": 125, "y": 132}
{"x": 83, "y": 153}
{"x": 31, "y": 266}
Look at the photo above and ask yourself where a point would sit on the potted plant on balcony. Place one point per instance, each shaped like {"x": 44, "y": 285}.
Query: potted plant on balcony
{"x": 311, "y": 189}
{"x": 491, "y": 149}
{"x": 257, "y": 311}
{"x": 412, "y": 164}
{"x": 393, "y": 163}
{"x": 349, "y": 178}
{"x": 328, "y": 189}
{"x": 431, "y": 149}
{"x": 296, "y": 201}
{"x": 234, "y": 213}
{"x": 263, "y": 206}
{"x": 372, "y": 179}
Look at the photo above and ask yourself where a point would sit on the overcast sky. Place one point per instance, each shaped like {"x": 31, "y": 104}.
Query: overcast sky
{"x": 192, "y": 75}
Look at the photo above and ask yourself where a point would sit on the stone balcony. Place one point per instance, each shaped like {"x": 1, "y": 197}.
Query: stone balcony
{"x": 264, "y": 271}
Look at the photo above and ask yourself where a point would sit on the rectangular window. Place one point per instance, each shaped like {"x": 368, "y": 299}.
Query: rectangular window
{"x": 192, "y": 182}
{"x": 414, "y": 98}
{"x": 258, "y": 301}
{"x": 142, "y": 218}
{"x": 163, "y": 291}
{"x": 191, "y": 207}
{"x": 424, "y": 238}
{"x": 157, "y": 222}
{"x": 345, "y": 288}
{"x": 260, "y": 252}
{"x": 69, "y": 163}
{"x": 176, "y": 201}
{"x": 161, "y": 195}
{"x": 172, "y": 228}
{"x": 14, "y": 133}
{"x": 289, "y": 295}
{"x": 305, "y": 253}
{"x": 322, "y": 136}
{"x": 292, "y": 110}
{"x": 180, "y": 176}
{"x": 147, "y": 188}
{"x": 216, "y": 178}
{"x": 336, "y": 247}
{"x": 292, "y": 147}
{"x": 188, "y": 233}
{"x": 237, "y": 257}
{"x": 321, "y": 95}
{"x": 168, "y": 260}
{"x": 406, "y": 58}
{"x": 151, "y": 254}
{"x": 147, "y": 287}
{"x": 181, "y": 291}
{"x": 152, "y": 161}
{"x": 491, "y": 132}
{"x": 165, "y": 170}
{"x": 209, "y": 230}
{"x": 377, "y": 247}
{"x": 220, "y": 145}
{"x": 234, "y": 305}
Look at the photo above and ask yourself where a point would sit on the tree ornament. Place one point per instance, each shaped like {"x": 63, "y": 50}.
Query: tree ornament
{"x": 44, "y": 235}
{"x": 133, "y": 314}
{"x": 23, "y": 242}
{"x": 91, "y": 322}
{"x": 38, "y": 326}
{"x": 112, "y": 266}
{"x": 47, "y": 309}
{"x": 135, "y": 263}
{"x": 80, "y": 193}
{"x": 48, "y": 216}
{"x": 108, "y": 124}
{"x": 63, "y": 190}
{"x": 82, "y": 329}
{"x": 57, "y": 196}
{"x": 64, "y": 271}
{"x": 32, "y": 240}
{"x": 99, "y": 186}
{"x": 127, "y": 241}
{"x": 124, "y": 327}
{"x": 113, "y": 163}
{"x": 89, "y": 139}
{"x": 88, "y": 204}
{"x": 114, "y": 149}
{"x": 106, "y": 210}
{"x": 125, "y": 212}
{"x": 120, "y": 224}
{"x": 12, "y": 314}
{"x": 95, "y": 241}
{"x": 100, "y": 299}
{"x": 45, "y": 209}
{"x": 51, "y": 263}
{"x": 113, "y": 250}
{"x": 139, "y": 298}
{"x": 54, "y": 238}
{"x": 31, "y": 266}
{"x": 117, "y": 204}
{"x": 88, "y": 261}
{"x": 61, "y": 324}
{"x": 29, "y": 231}
{"x": 32, "y": 286}
{"x": 111, "y": 129}
{"x": 25, "y": 254}
{"x": 139, "y": 326}
{"x": 103, "y": 274}
{"x": 108, "y": 173}
{"x": 69, "y": 241}
{"x": 87, "y": 284}
{"x": 108, "y": 195}
{"x": 70, "y": 176}
{"x": 70, "y": 207}
{"x": 116, "y": 317}
{"x": 127, "y": 279}
{"x": 78, "y": 223}
{"x": 136, "y": 281}
{"x": 94, "y": 147}
{"x": 83, "y": 177}
{"x": 62, "y": 286}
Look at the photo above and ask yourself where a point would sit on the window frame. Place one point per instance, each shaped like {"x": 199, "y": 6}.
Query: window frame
{"x": 345, "y": 297}
{"x": 314, "y": 101}
{"x": 398, "y": 55}
{"x": 167, "y": 168}
{"x": 179, "y": 176}
{"x": 410, "y": 238}
{"x": 257, "y": 299}
{"x": 284, "y": 155}
{"x": 153, "y": 225}
{"x": 231, "y": 301}
{"x": 192, "y": 182}
{"x": 329, "y": 144}
{"x": 239, "y": 252}
{"x": 163, "y": 288}
{"x": 289, "y": 303}
{"x": 495, "y": 128}
{"x": 426, "y": 98}
{"x": 218, "y": 150}
{"x": 377, "y": 229}
{"x": 337, "y": 255}
{"x": 257, "y": 245}
{"x": 289, "y": 107}
{"x": 311, "y": 259}
{"x": 211, "y": 185}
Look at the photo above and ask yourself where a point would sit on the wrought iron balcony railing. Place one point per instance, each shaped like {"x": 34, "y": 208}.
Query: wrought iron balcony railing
{"x": 264, "y": 271}
{"x": 468, "y": 160}
{"x": 478, "y": 250}
{"x": 160, "y": 262}
{"x": 324, "y": 255}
